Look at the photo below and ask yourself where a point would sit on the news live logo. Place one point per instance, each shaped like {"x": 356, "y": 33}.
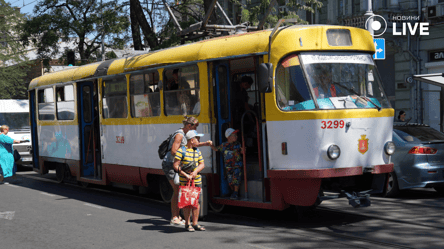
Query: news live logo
{"x": 379, "y": 25}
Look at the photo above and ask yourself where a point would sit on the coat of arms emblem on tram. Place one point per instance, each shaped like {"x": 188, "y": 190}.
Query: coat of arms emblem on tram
{"x": 363, "y": 144}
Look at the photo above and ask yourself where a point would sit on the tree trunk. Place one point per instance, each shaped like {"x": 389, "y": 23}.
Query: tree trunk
{"x": 212, "y": 19}
{"x": 135, "y": 29}
{"x": 150, "y": 36}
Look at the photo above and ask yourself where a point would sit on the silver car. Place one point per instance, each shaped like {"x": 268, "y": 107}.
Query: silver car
{"x": 418, "y": 160}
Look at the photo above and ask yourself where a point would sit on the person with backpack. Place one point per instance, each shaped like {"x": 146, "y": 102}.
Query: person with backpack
{"x": 178, "y": 140}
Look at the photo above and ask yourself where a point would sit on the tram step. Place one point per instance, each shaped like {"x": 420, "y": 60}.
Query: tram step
{"x": 254, "y": 190}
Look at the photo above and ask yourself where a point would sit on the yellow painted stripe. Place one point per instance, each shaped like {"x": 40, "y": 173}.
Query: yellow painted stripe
{"x": 57, "y": 122}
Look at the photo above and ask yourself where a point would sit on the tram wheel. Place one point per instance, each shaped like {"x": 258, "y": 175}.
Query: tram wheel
{"x": 318, "y": 199}
{"x": 392, "y": 188}
{"x": 60, "y": 173}
{"x": 217, "y": 208}
{"x": 84, "y": 184}
{"x": 165, "y": 189}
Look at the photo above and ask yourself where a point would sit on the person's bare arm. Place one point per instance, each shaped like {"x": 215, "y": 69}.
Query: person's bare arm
{"x": 176, "y": 144}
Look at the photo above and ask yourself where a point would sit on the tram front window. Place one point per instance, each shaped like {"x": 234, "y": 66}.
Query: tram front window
{"x": 344, "y": 80}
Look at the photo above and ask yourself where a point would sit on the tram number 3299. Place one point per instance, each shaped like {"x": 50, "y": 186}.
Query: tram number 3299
{"x": 336, "y": 124}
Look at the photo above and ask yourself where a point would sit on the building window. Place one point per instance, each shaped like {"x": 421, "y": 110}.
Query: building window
{"x": 46, "y": 104}
{"x": 181, "y": 93}
{"x": 145, "y": 96}
{"x": 115, "y": 102}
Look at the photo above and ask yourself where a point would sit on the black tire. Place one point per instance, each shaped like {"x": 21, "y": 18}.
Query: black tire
{"x": 392, "y": 187}
{"x": 84, "y": 184}
{"x": 165, "y": 189}
{"x": 60, "y": 173}
{"x": 217, "y": 208}
{"x": 440, "y": 190}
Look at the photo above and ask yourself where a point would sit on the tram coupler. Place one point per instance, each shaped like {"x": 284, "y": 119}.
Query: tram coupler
{"x": 359, "y": 199}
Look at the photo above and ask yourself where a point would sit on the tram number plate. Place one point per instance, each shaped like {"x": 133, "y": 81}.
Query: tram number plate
{"x": 336, "y": 124}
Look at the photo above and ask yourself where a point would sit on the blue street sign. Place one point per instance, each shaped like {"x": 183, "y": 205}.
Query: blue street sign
{"x": 380, "y": 48}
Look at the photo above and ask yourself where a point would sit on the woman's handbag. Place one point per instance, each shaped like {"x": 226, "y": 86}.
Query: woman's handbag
{"x": 189, "y": 195}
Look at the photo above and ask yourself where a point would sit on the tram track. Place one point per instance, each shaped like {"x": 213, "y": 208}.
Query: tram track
{"x": 337, "y": 211}
{"x": 349, "y": 240}
{"x": 403, "y": 202}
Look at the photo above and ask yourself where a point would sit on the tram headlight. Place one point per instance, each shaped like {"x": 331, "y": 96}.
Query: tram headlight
{"x": 333, "y": 151}
{"x": 389, "y": 148}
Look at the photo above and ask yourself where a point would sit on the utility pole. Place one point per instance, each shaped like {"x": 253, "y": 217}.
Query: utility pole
{"x": 103, "y": 32}
{"x": 368, "y": 14}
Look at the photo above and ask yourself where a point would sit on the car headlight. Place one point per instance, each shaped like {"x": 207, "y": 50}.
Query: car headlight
{"x": 333, "y": 152}
{"x": 389, "y": 148}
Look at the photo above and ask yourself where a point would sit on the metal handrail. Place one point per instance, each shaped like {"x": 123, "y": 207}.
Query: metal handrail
{"x": 244, "y": 149}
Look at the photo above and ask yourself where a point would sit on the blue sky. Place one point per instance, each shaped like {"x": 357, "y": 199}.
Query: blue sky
{"x": 26, "y": 5}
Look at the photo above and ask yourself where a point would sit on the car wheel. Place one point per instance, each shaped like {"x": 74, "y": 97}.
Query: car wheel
{"x": 440, "y": 190}
{"x": 392, "y": 188}
{"x": 166, "y": 191}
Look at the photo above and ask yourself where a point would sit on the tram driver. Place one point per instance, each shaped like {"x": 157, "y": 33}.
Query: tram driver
{"x": 323, "y": 83}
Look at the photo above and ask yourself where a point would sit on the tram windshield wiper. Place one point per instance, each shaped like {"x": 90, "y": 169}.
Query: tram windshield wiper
{"x": 361, "y": 99}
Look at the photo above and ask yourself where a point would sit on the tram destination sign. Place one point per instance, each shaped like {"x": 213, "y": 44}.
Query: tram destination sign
{"x": 436, "y": 56}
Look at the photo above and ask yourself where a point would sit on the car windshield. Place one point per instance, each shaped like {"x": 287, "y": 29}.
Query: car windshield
{"x": 15, "y": 121}
{"x": 419, "y": 134}
{"x": 344, "y": 80}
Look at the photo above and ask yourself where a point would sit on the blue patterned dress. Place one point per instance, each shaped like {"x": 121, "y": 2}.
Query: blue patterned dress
{"x": 7, "y": 156}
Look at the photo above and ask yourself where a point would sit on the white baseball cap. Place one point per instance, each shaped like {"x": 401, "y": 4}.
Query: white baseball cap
{"x": 230, "y": 131}
{"x": 193, "y": 133}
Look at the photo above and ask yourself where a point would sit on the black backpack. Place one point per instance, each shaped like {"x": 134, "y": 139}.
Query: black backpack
{"x": 164, "y": 147}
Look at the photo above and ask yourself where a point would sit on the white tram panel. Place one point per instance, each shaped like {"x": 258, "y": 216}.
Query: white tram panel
{"x": 307, "y": 143}
{"x": 59, "y": 141}
{"x": 137, "y": 145}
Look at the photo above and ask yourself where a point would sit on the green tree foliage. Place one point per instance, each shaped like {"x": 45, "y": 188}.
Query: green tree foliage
{"x": 13, "y": 62}
{"x": 254, "y": 14}
{"x": 146, "y": 14}
{"x": 156, "y": 24}
{"x": 77, "y": 21}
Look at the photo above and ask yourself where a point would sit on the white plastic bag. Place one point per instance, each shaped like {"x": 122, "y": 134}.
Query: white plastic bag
{"x": 176, "y": 178}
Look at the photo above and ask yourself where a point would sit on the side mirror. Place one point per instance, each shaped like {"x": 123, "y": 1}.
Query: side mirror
{"x": 265, "y": 73}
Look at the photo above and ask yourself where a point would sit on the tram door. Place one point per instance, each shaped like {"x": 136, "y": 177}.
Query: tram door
{"x": 90, "y": 166}
{"x": 34, "y": 140}
{"x": 222, "y": 74}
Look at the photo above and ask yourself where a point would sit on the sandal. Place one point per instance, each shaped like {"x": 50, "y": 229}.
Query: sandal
{"x": 199, "y": 227}
{"x": 189, "y": 228}
{"x": 177, "y": 222}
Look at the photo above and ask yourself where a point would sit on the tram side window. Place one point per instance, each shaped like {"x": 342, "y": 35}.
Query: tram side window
{"x": 291, "y": 88}
{"x": 181, "y": 93}
{"x": 46, "y": 104}
{"x": 115, "y": 102}
{"x": 65, "y": 102}
{"x": 145, "y": 96}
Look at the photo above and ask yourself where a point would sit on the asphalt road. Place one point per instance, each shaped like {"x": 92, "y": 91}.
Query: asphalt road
{"x": 39, "y": 213}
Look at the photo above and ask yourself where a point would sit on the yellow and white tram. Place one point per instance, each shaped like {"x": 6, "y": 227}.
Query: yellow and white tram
{"x": 319, "y": 116}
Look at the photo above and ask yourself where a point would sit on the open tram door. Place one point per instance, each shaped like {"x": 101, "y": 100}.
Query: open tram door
{"x": 90, "y": 166}
{"x": 34, "y": 131}
{"x": 228, "y": 76}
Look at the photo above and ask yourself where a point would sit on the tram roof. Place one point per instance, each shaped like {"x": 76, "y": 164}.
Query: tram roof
{"x": 285, "y": 40}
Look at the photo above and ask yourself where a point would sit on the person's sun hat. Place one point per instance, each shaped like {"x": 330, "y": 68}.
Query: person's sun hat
{"x": 230, "y": 131}
{"x": 192, "y": 134}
